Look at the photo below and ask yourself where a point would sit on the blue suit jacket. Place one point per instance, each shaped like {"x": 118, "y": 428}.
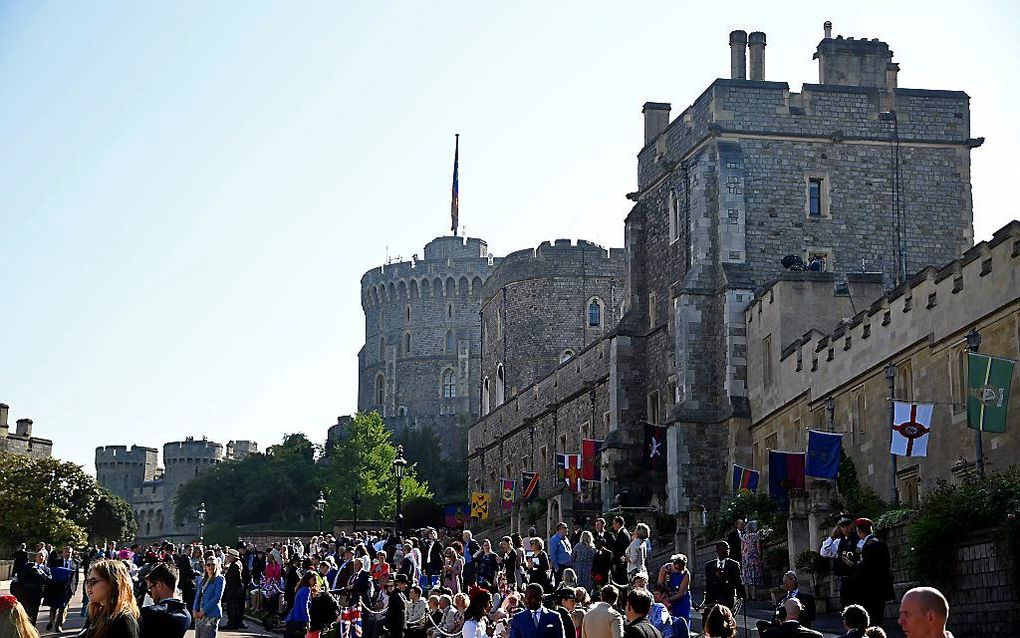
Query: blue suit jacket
{"x": 209, "y": 600}
{"x": 550, "y": 625}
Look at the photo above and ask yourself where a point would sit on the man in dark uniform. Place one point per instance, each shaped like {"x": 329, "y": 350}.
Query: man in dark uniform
{"x": 723, "y": 584}
{"x": 395, "y": 619}
{"x": 233, "y": 591}
{"x": 840, "y": 546}
{"x": 873, "y": 576}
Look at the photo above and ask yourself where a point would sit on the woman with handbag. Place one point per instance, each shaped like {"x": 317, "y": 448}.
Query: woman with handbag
{"x": 207, "y": 609}
{"x": 297, "y": 622}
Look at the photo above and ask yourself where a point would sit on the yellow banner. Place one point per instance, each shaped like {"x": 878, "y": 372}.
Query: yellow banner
{"x": 480, "y": 505}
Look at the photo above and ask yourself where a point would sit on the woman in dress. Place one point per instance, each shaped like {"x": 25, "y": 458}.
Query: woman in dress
{"x": 636, "y": 554}
{"x": 538, "y": 569}
{"x": 752, "y": 567}
{"x": 453, "y": 567}
{"x": 677, "y": 580}
{"x": 206, "y": 608}
{"x": 113, "y": 612}
{"x": 583, "y": 555}
{"x": 298, "y": 618}
{"x": 474, "y": 616}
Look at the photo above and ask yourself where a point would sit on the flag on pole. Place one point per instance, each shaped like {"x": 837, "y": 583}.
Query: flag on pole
{"x": 509, "y": 494}
{"x": 823, "y": 450}
{"x": 455, "y": 515}
{"x": 654, "y": 457}
{"x": 910, "y": 428}
{"x": 988, "y": 381}
{"x": 591, "y": 468}
{"x": 480, "y": 505}
{"x": 786, "y": 472}
{"x": 561, "y": 468}
{"x": 572, "y": 472}
{"x": 529, "y": 484}
{"x": 455, "y": 198}
{"x": 745, "y": 478}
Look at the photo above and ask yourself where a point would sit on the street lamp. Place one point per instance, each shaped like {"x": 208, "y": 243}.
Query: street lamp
{"x": 973, "y": 343}
{"x": 356, "y": 501}
{"x": 201, "y": 523}
{"x": 399, "y": 464}
{"x": 320, "y": 507}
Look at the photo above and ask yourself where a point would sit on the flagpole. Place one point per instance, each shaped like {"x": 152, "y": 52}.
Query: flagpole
{"x": 973, "y": 343}
{"x": 890, "y": 377}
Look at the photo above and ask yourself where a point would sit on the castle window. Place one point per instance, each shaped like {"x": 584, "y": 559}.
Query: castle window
{"x": 401, "y": 411}
{"x": 566, "y": 355}
{"x": 500, "y": 384}
{"x": 653, "y": 408}
{"x": 407, "y": 343}
{"x": 904, "y": 382}
{"x": 407, "y": 313}
{"x": 449, "y": 340}
{"x": 449, "y": 384}
{"x": 766, "y": 356}
{"x": 485, "y": 396}
{"x": 958, "y": 368}
{"x": 815, "y": 197}
{"x": 671, "y": 212}
{"x": 594, "y": 312}
{"x": 380, "y": 389}
{"x": 449, "y": 311}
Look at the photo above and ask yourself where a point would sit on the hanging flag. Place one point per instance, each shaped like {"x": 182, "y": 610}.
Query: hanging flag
{"x": 455, "y": 197}
{"x": 786, "y": 472}
{"x": 654, "y": 457}
{"x": 572, "y": 472}
{"x": 988, "y": 381}
{"x": 509, "y": 494}
{"x": 561, "y": 468}
{"x": 910, "y": 428}
{"x": 529, "y": 485}
{"x": 480, "y": 506}
{"x": 350, "y": 622}
{"x": 591, "y": 466}
{"x": 823, "y": 450}
{"x": 455, "y": 515}
{"x": 745, "y": 478}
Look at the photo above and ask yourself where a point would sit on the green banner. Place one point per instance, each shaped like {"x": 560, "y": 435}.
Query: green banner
{"x": 988, "y": 392}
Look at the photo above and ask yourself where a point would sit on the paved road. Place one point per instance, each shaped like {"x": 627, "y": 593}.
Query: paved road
{"x": 75, "y": 621}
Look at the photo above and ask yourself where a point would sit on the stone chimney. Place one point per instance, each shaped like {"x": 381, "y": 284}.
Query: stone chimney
{"x": 853, "y": 62}
{"x": 24, "y": 427}
{"x": 827, "y": 30}
{"x": 756, "y": 46}
{"x": 4, "y": 410}
{"x": 738, "y": 55}
{"x": 656, "y": 119}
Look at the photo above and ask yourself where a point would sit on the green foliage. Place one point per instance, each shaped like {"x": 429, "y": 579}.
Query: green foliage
{"x": 747, "y": 504}
{"x": 949, "y": 511}
{"x": 56, "y": 502}
{"x": 855, "y": 498}
{"x": 279, "y": 488}
{"x": 535, "y": 510}
{"x": 447, "y": 472}
{"x": 811, "y": 562}
{"x": 777, "y": 558}
{"x": 894, "y": 517}
{"x": 422, "y": 512}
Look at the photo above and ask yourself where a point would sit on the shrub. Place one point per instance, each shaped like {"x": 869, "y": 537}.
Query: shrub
{"x": 750, "y": 505}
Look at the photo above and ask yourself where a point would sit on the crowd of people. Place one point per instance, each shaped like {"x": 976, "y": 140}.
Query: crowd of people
{"x": 580, "y": 583}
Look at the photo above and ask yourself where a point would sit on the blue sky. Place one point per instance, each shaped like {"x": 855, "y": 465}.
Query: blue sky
{"x": 192, "y": 190}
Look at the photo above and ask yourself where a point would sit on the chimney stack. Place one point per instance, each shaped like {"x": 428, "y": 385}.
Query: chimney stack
{"x": 827, "y": 29}
{"x": 756, "y": 44}
{"x": 4, "y": 409}
{"x": 738, "y": 55}
{"x": 24, "y": 427}
{"x": 656, "y": 119}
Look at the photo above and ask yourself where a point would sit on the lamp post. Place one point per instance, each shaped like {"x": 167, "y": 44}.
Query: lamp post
{"x": 320, "y": 507}
{"x": 201, "y": 523}
{"x": 399, "y": 464}
{"x": 973, "y": 343}
{"x": 356, "y": 501}
{"x": 890, "y": 379}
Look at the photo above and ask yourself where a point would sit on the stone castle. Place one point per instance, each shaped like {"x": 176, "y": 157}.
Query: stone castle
{"x": 134, "y": 475}
{"x": 21, "y": 441}
{"x": 854, "y": 173}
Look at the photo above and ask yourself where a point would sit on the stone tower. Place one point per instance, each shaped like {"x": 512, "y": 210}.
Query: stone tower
{"x": 121, "y": 469}
{"x": 420, "y": 362}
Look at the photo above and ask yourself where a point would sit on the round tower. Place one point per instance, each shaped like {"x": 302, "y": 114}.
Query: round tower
{"x": 184, "y": 460}
{"x": 542, "y": 306}
{"x": 121, "y": 469}
{"x": 419, "y": 363}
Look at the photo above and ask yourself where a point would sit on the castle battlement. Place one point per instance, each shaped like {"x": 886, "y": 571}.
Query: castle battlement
{"x": 559, "y": 258}
{"x": 124, "y": 455}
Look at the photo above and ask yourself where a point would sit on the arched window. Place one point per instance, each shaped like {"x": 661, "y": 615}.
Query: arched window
{"x": 485, "y": 395}
{"x": 449, "y": 384}
{"x": 401, "y": 411}
{"x": 380, "y": 389}
{"x": 594, "y": 312}
{"x": 566, "y": 355}
{"x": 407, "y": 343}
{"x": 449, "y": 311}
{"x": 500, "y": 385}
{"x": 449, "y": 340}
{"x": 407, "y": 313}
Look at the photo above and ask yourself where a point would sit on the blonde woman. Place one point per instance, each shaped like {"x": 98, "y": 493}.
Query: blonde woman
{"x": 636, "y": 552}
{"x": 206, "y": 608}
{"x": 14, "y": 622}
{"x": 113, "y": 612}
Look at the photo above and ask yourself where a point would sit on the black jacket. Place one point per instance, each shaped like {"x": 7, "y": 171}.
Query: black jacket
{"x": 169, "y": 618}
{"x": 873, "y": 572}
{"x": 323, "y": 611}
{"x": 123, "y": 626}
{"x": 640, "y": 628}
{"x": 395, "y": 619}
{"x": 721, "y": 584}
{"x": 790, "y": 629}
{"x": 807, "y": 616}
{"x": 568, "y": 623}
{"x": 733, "y": 540}
{"x": 185, "y": 571}
{"x": 234, "y": 581}
{"x": 433, "y": 557}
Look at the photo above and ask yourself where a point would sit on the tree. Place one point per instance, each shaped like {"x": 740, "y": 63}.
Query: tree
{"x": 447, "y": 472}
{"x": 112, "y": 519}
{"x": 52, "y": 501}
{"x": 362, "y": 460}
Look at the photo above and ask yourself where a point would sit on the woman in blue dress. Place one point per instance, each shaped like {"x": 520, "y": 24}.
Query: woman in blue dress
{"x": 677, "y": 579}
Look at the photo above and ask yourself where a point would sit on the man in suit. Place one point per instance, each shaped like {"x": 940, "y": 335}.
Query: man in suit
{"x": 535, "y": 621}
{"x": 620, "y": 540}
{"x": 168, "y": 616}
{"x": 639, "y": 602}
{"x": 395, "y": 619}
{"x": 185, "y": 574}
{"x": 61, "y": 589}
{"x": 855, "y": 621}
{"x": 723, "y": 584}
{"x": 432, "y": 556}
{"x": 599, "y": 535}
{"x": 791, "y": 627}
{"x": 233, "y": 591}
{"x": 733, "y": 540}
{"x": 872, "y": 574}
{"x": 840, "y": 546}
{"x": 602, "y": 619}
{"x": 807, "y": 601}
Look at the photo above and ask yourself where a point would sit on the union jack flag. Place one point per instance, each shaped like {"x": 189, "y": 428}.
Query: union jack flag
{"x": 350, "y": 623}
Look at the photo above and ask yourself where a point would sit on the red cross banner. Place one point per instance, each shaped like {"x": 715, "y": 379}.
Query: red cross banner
{"x": 572, "y": 472}
{"x": 910, "y": 429}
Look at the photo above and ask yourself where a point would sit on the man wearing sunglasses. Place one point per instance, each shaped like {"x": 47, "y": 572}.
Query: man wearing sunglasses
{"x": 168, "y": 616}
